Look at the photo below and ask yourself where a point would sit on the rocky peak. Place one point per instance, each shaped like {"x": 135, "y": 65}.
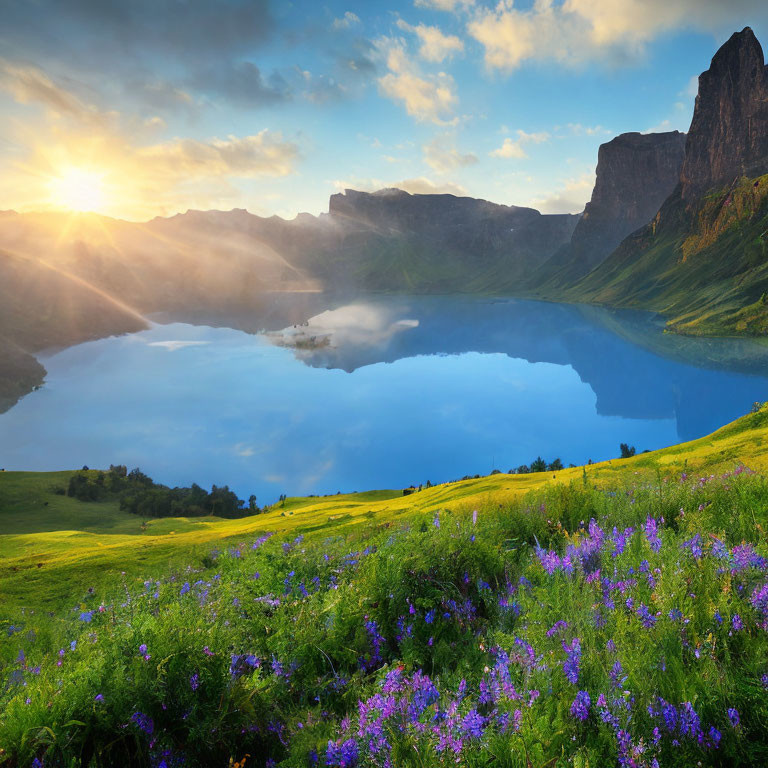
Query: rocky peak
{"x": 635, "y": 174}
{"x": 728, "y": 136}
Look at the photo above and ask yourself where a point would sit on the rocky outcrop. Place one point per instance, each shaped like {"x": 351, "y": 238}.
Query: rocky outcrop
{"x": 728, "y": 136}
{"x": 635, "y": 174}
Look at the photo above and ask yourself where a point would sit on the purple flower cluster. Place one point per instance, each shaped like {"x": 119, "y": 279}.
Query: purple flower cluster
{"x": 572, "y": 663}
{"x": 580, "y": 706}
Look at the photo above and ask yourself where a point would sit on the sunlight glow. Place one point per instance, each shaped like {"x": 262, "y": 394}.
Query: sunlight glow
{"x": 78, "y": 190}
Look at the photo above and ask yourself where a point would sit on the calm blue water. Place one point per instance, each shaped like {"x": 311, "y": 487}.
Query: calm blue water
{"x": 376, "y": 393}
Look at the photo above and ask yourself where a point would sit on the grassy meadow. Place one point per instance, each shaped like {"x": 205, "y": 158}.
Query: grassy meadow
{"x": 613, "y": 614}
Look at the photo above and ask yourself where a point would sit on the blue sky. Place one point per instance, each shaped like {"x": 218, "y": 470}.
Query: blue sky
{"x": 272, "y": 106}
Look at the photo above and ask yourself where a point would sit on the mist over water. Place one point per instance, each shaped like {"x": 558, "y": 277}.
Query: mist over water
{"x": 345, "y": 395}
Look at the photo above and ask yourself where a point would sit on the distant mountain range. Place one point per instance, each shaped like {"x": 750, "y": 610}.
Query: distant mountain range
{"x": 677, "y": 224}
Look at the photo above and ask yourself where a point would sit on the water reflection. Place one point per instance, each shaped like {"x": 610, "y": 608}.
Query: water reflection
{"x": 324, "y": 394}
{"x": 635, "y": 369}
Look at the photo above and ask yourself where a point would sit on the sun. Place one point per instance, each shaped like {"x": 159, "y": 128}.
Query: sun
{"x": 78, "y": 190}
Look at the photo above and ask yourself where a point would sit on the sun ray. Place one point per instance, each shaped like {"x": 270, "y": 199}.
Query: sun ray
{"x": 80, "y": 281}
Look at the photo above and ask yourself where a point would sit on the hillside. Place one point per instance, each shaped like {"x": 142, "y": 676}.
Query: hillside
{"x": 53, "y": 545}
{"x": 611, "y": 614}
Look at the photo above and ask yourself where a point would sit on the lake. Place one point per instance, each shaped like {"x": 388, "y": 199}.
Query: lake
{"x": 310, "y": 394}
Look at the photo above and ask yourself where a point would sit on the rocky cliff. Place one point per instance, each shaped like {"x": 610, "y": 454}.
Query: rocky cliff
{"x": 728, "y": 136}
{"x": 703, "y": 259}
{"x": 394, "y": 240}
{"x": 635, "y": 174}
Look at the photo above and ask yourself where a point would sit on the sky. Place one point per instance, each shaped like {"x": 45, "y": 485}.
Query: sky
{"x": 143, "y": 108}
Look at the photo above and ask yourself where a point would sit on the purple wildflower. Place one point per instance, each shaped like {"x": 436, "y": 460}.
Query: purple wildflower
{"x": 580, "y": 705}
{"x": 652, "y": 534}
{"x": 472, "y": 724}
{"x": 572, "y": 660}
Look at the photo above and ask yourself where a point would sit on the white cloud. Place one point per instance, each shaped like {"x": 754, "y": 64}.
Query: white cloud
{"x": 28, "y": 85}
{"x": 263, "y": 154}
{"x": 443, "y": 5}
{"x": 348, "y": 20}
{"x": 513, "y": 148}
{"x": 576, "y": 31}
{"x": 577, "y": 129}
{"x": 570, "y": 198}
{"x": 435, "y": 46}
{"x": 427, "y": 98}
{"x": 441, "y": 155}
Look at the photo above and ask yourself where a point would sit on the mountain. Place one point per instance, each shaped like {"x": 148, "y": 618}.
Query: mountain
{"x": 392, "y": 240}
{"x": 703, "y": 259}
{"x": 66, "y": 278}
{"x": 636, "y": 172}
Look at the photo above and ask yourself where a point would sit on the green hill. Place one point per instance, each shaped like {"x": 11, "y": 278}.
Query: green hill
{"x": 704, "y": 267}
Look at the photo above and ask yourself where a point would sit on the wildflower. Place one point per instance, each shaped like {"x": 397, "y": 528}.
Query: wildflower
{"x": 694, "y": 545}
{"x": 744, "y": 556}
{"x": 580, "y": 705}
{"x": 733, "y": 716}
{"x": 549, "y": 560}
{"x": 343, "y": 755}
{"x": 183, "y": 591}
{"x": 652, "y": 534}
{"x": 715, "y": 736}
{"x": 759, "y": 599}
{"x": 472, "y": 724}
{"x": 620, "y": 539}
{"x": 558, "y": 626}
{"x": 194, "y": 681}
{"x": 99, "y": 697}
{"x": 86, "y": 616}
{"x": 572, "y": 660}
{"x": 647, "y": 619}
{"x": 736, "y": 622}
{"x": 143, "y": 722}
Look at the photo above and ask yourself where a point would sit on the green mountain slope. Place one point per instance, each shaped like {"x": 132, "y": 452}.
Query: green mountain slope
{"x": 704, "y": 266}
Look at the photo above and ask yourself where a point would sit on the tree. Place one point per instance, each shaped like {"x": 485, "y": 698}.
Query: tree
{"x": 556, "y": 465}
{"x": 627, "y": 452}
{"x": 523, "y": 469}
{"x": 538, "y": 465}
{"x": 252, "y": 505}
